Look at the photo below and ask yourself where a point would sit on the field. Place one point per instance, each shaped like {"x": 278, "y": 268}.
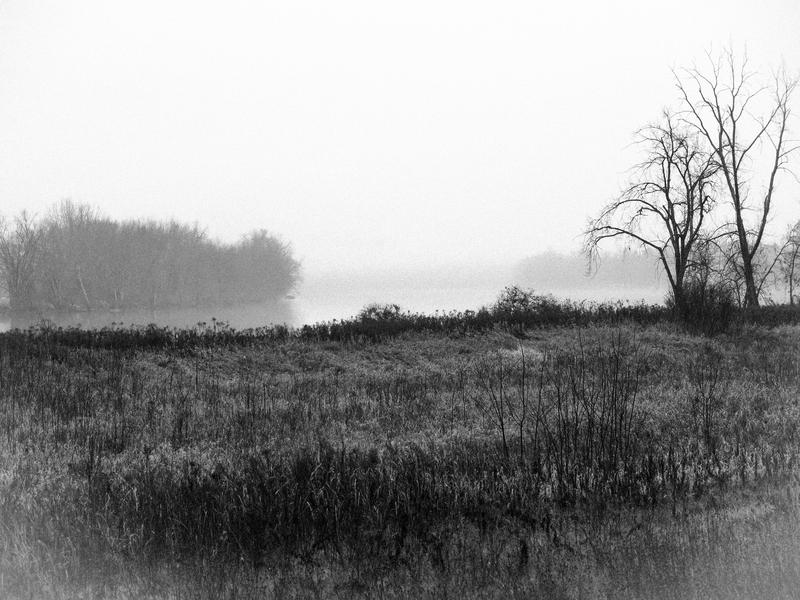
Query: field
{"x": 621, "y": 459}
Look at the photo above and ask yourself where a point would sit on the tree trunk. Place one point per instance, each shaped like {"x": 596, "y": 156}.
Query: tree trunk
{"x": 83, "y": 290}
{"x": 751, "y": 292}
{"x": 680, "y": 300}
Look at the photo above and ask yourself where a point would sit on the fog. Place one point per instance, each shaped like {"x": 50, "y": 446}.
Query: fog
{"x": 413, "y": 153}
{"x": 621, "y": 420}
{"x": 342, "y": 294}
{"x": 469, "y": 287}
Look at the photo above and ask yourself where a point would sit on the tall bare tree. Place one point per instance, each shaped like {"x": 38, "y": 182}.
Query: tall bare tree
{"x": 745, "y": 124}
{"x": 665, "y": 206}
{"x": 20, "y": 251}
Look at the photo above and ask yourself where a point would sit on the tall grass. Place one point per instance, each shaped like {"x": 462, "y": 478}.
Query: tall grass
{"x": 516, "y": 311}
{"x": 164, "y": 447}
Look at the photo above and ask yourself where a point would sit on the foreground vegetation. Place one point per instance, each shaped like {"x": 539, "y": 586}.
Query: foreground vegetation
{"x": 622, "y": 458}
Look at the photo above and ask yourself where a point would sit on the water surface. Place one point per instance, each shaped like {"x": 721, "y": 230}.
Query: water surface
{"x": 325, "y": 300}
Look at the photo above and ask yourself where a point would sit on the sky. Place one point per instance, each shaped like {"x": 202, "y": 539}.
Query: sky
{"x": 370, "y": 135}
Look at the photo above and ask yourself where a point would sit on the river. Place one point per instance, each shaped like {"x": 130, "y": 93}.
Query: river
{"x": 324, "y": 300}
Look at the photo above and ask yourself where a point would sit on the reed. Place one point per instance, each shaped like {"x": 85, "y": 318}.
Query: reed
{"x": 222, "y": 463}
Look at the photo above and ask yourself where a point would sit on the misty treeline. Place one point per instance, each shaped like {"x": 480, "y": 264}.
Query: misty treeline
{"x": 73, "y": 258}
{"x": 633, "y": 270}
{"x": 702, "y": 198}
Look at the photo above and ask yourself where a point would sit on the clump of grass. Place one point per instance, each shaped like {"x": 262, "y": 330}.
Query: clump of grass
{"x": 706, "y": 308}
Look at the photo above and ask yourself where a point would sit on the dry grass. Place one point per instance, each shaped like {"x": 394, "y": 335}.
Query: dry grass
{"x": 598, "y": 462}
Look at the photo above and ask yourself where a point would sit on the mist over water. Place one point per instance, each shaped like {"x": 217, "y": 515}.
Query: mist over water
{"x": 340, "y": 296}
{"x": 238, "y": 317}
{"x": 338, "y": 299}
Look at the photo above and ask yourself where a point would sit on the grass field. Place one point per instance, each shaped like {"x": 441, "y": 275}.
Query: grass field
{"x": 592, "y": 461}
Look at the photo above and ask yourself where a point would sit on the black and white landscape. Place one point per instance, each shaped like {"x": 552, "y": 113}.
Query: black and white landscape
{"x": 412, "y": 300}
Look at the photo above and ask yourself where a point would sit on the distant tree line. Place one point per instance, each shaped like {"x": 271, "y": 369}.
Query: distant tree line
{"x": 558, "y": 272}
{"x": 76, "y": 259}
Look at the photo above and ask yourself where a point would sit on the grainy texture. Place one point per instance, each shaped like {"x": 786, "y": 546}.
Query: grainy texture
{"x": 603, "y": 462}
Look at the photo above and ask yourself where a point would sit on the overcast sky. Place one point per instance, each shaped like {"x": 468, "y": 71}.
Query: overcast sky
{"x": 368, "y": 134}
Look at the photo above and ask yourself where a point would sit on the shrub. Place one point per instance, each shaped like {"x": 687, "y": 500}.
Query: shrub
{"x": 514, "y": 300}
{"x": 707, "y": 308}
{"x": 380, "y": 312}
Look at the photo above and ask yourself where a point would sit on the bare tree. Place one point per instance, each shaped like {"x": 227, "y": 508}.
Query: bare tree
{"x": 20, "y": 250}
{"x": 718, "y": 258}
{"x": 70, "y": 262}
{"x": 790, "y": 261}
{"x": 664, "y": 209}
{"x": 745, "y": 124}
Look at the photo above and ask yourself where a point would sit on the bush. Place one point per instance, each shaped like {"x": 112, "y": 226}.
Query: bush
{"x": 707, "y": 308}
{"x": 380, "y": 312}
{"x": 515, "y": 304}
